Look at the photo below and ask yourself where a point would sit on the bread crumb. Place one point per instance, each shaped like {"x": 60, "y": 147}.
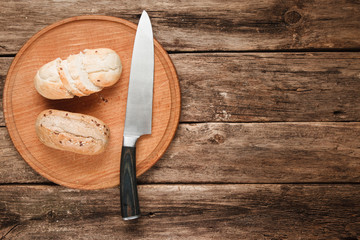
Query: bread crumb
{"x": 103, "y": 99}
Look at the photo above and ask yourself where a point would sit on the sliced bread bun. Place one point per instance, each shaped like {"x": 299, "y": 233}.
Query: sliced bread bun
{"x": 48, "y": 84}
{"x": 72, "y": 132}
{"x": 79, "y": 75}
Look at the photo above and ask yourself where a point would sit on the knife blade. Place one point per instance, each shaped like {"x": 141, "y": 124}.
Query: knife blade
{"x": 138, "y": 116}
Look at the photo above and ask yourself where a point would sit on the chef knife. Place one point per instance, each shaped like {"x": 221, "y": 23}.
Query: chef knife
{"x": 138, "y": 114}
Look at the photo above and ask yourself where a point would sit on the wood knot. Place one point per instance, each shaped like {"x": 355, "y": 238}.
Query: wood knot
{"x": 292, "y": 17}
{"x": 51, "y": 215}
{"x": 217, "y": 139}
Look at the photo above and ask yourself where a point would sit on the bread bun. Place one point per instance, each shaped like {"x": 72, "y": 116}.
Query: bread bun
{"x": 74, "y": 132}
{"x": 79, "y": 75}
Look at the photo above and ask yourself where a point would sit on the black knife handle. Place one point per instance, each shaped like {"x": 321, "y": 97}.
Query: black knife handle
{"x": 130, "y": 208}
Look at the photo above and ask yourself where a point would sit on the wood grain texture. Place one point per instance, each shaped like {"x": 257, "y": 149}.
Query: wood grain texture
{"x": 209, "y": 25}
{"x": 4, "y": 67}
{"x": 12, "y": 164}
{"x": 22, "y": 103}
{"x": 183, "y": 212}
{"x": 258, "y": 87}
{"x": 298, "y": 109}
{"x": 238, "y": 153}
{"x": 261, "y": 153}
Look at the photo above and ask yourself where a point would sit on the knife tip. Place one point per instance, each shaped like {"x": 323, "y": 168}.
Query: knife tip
{"x": 144, "y": 17}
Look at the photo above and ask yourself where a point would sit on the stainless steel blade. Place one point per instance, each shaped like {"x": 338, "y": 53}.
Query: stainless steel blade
{"x": 140, "y": 94}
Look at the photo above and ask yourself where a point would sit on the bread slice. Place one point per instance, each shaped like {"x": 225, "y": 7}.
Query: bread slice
{"x": 68, "y": 78}
{"x": 47, "y": 81}
{"x": 73, "y": 132}
{"x": 103, "y": 66}
{"x": 80, "y": 76}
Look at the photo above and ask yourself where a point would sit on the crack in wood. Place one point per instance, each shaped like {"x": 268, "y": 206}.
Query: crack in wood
{"x": 8, "y": 232}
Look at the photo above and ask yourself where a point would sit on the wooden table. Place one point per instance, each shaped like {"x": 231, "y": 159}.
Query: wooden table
{"x": 268, "y": 141}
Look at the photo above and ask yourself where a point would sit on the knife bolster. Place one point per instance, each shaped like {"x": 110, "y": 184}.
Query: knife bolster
{"x": 130, "y": 141}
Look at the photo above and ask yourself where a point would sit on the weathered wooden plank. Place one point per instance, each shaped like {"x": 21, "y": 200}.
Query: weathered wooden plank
{"x": 183, "y": 212}
{"x": 269, "y": 87}
{"x": 257, "y": 87}
{"x": 4, "y": 66}
{"x": 238, "y": 153}
{"x": 208, "y": 25}
{"x": 268, "y": 153}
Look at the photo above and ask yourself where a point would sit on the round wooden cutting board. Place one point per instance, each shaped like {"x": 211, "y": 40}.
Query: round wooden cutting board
{"x": 22, "y": 103}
